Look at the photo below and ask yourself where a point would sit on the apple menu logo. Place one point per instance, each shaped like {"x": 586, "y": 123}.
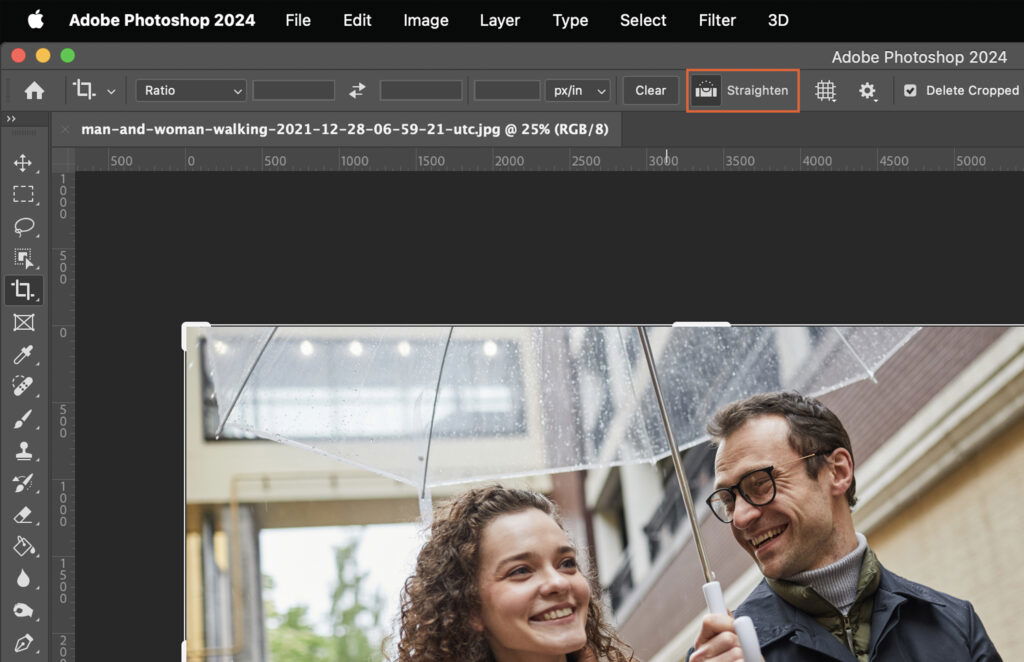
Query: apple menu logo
{"x": 35, "y": 21}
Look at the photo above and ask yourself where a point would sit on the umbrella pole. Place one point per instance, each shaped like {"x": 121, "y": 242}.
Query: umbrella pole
{"x": 712, "y": 589}
{"x": 677, "y": 459}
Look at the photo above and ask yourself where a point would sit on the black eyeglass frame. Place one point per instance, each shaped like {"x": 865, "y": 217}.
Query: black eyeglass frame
{"x": 735, "y": 489}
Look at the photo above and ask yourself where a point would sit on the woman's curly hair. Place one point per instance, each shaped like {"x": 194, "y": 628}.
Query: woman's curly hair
{"x": 440, "y": 599}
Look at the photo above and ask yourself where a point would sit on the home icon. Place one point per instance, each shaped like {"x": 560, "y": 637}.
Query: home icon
{"x": 34, "y": 92}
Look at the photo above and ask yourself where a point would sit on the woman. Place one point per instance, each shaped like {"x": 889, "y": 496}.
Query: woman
{"x": 498, "y": 581}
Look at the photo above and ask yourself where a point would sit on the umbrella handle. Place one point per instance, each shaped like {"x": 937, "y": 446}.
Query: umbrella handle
{"x": 744, "y": 626}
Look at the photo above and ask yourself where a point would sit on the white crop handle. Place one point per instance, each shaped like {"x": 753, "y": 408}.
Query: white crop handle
{"x": 744, "y": 626}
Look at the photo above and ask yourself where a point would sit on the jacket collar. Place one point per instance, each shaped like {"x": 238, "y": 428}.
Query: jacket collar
{"x": 774, "y": 618}
{"x": 897, "y": 585}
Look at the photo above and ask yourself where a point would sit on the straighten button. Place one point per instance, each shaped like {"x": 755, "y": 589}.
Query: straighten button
{"x": 578, "y": 89}
{"x": 650, "y": 89}
{"x": 190, "y": 89}
{"x": 743, "y": 91}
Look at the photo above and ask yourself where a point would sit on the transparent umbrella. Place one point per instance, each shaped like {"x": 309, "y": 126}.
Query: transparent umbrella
{"x": 431, "y": 406}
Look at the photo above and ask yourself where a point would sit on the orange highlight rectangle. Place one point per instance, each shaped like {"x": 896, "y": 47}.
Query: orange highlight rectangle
{"x": 714, "y": 110}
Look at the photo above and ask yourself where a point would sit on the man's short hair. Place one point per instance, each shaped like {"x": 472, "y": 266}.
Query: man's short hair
{"x": 812, "y": 427}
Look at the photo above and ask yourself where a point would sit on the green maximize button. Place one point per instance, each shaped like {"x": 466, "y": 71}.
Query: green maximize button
{"x": 67, "y": 55}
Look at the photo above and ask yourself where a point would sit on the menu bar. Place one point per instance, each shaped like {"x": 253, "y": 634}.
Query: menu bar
{"x": 410, "y": 20}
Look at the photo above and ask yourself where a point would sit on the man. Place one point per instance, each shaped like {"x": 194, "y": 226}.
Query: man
{"x": 785, "y": 485}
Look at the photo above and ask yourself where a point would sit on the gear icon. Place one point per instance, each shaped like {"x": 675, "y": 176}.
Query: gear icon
{"x": 867, "y": 91}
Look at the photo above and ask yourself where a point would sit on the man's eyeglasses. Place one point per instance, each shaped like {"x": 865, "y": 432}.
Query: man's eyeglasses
{"x": 757, "y": 487}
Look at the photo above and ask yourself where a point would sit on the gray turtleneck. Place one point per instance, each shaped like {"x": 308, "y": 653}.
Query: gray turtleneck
{"x": 837, "y": 582}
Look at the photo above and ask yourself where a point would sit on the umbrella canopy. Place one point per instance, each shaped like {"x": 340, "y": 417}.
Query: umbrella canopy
{"x": 432, "y": 406}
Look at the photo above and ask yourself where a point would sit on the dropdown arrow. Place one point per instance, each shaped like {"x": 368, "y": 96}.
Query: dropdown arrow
{"x": 111, "y": 92}
{"x": 601, "y": 91}
{"x": 239, "y": 91}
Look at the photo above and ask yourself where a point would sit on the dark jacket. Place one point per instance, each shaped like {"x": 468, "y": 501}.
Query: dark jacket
{"x": 909, "y": 623}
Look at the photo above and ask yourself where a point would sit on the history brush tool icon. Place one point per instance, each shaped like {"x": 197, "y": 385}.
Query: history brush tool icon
{"x": 24, "y": 482}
